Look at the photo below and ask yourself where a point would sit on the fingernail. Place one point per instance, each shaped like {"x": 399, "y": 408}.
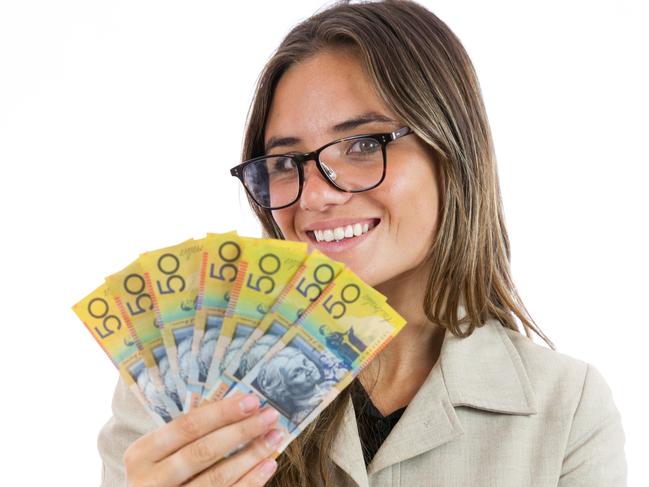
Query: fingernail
{"x": 249, "y": 403}
{"x": 273, "y": 437}
{"x": 268, "y": 468}
{"x": 269, "y": 416}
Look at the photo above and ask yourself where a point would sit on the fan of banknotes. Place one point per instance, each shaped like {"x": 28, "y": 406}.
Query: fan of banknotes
{"x": 203, "y": 319}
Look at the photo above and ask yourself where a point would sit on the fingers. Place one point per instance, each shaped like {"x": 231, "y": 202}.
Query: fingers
{"x": 188, "y": 427}
{"x": 248, "y": 467}
{"x": 260, "y": 475}
{"x": 204, "y": 452}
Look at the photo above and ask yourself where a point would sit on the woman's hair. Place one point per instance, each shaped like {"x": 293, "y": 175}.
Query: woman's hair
{"x": 423, "y": 74}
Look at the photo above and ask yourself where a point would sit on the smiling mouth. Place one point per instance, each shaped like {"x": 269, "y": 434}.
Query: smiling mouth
{"x": 342, "y": 233}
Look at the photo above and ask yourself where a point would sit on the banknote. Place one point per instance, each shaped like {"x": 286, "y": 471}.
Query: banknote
{"x": 128, "y": 288}
{"x": 318, "y": 357}
{"x": 172, "y": 281}
{"x": 265, "y": 269}
{"x": 209, "y": 318}
{"x": 100, "y": 314}
{"x": 306, "y": 286}
{"x": 219, "y": 263}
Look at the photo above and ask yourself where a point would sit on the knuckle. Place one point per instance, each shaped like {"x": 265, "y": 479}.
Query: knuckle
{"x": 218, "y": 476}
{"x": 127, "y": 458}
{"x": 188, "y": 426}
{"x": 202, "y": 451}
{"x": 138, "y": 482}
{"x": 255, "y": 426}
{"x": 254, "y": 480}
{"x": 260, "y": 448}
{"x": 247, "y": 431}
{"x": 130, "y": 457}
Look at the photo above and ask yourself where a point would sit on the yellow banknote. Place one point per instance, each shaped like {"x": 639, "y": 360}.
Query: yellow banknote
{"x": 265, "y": 269}
{"x": 219, "y": 264}
{"x": 306, "y": 286}
{"x": 128, "y": 288}
{"x": 321, "y": 354}
{"x": 100, "y": 314}
{"x": 172, "y": 280}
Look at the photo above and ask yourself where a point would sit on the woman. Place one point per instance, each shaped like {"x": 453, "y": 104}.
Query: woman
{"x": 460, "y": 396}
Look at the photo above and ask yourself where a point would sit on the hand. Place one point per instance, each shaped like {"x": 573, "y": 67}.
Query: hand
{"x": 191, "y": 449}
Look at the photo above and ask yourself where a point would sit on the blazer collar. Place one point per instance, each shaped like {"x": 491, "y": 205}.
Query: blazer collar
{"x": 482, "y": 371}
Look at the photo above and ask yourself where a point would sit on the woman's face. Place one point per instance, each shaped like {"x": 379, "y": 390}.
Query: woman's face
{"x": 401, "y": 214}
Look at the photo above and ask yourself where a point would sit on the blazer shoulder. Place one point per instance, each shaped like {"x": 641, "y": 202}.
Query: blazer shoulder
{"x": 573, "y": 395}
{"x": 560, "y": 381}
{"x": 540, "y": 356}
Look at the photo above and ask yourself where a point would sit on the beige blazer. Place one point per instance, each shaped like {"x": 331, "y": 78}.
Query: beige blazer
{"x": 496, "y": 410}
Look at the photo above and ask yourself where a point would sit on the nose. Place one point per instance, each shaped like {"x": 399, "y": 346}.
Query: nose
{"x": 317, "y": 193}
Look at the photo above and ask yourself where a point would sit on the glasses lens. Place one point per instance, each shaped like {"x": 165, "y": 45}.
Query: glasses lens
{"x": 355, "y": 164}
{"x": 273, "y": 181}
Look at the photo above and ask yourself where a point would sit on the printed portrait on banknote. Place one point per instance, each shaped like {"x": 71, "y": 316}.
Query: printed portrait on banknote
{"x": 296, "y": 378}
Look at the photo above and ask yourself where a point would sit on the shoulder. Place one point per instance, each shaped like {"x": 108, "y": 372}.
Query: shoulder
{"x": 575, "y": 400}
{"x": 574, "y": 395}
{"x": 561, "y": 382}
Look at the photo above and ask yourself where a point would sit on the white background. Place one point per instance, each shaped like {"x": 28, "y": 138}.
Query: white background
{"x": 119, "y": 121}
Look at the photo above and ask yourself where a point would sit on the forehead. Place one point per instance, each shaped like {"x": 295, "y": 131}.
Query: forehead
{"x": 315, "y": 95}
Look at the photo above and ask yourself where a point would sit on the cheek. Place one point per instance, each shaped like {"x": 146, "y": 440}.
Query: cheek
{"x": 412, "y": 200}
{"x": 412, "y": 194}
{"x": 284, "y": 219}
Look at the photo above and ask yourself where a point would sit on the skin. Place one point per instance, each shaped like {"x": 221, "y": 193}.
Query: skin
{"x": 330, "y": 88}
{"x": 190, "y": 450}
{"x": 309, "y": 99}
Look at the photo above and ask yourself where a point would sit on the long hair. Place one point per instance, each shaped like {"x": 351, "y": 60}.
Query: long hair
{"x": 424, "y": 75}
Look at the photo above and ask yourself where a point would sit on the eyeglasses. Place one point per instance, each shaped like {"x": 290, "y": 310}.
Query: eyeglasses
{"x": 351, "y": 164}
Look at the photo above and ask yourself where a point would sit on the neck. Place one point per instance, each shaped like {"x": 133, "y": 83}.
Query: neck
{"x": 410, "y": 356}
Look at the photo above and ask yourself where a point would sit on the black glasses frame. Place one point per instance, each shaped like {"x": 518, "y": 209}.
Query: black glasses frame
{"x": 301, "y": 159}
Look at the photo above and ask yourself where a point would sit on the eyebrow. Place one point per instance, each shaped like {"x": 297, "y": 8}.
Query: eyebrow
{"x": 339, "y": 128}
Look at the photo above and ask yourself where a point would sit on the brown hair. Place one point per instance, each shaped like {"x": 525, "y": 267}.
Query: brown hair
{"x": 423, "y": 74}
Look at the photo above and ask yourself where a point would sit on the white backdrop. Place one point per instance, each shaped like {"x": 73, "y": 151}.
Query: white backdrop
{"x": 119, "y": 121}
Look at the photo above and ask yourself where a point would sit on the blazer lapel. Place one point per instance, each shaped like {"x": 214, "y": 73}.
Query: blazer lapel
{"x": 346, "y": 450}
{"x": 485, "y": 371}
{"x": 428, "y": 422}
{"x": 482, "y": 371}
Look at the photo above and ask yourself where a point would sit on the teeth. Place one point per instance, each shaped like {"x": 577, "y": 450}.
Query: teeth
{"x": 339, "y": 233}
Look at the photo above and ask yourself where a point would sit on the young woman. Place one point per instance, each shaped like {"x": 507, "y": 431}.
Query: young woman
{"x": 460, "y": 397}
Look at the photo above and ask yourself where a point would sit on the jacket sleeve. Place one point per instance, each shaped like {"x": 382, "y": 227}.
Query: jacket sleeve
{"x": 129, "y": 421}
{"x": 594, "y": 456}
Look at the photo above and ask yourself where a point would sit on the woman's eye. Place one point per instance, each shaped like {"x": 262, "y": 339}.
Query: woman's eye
{"x": 282, "y": 164}
{"x": 364, "y": 146}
